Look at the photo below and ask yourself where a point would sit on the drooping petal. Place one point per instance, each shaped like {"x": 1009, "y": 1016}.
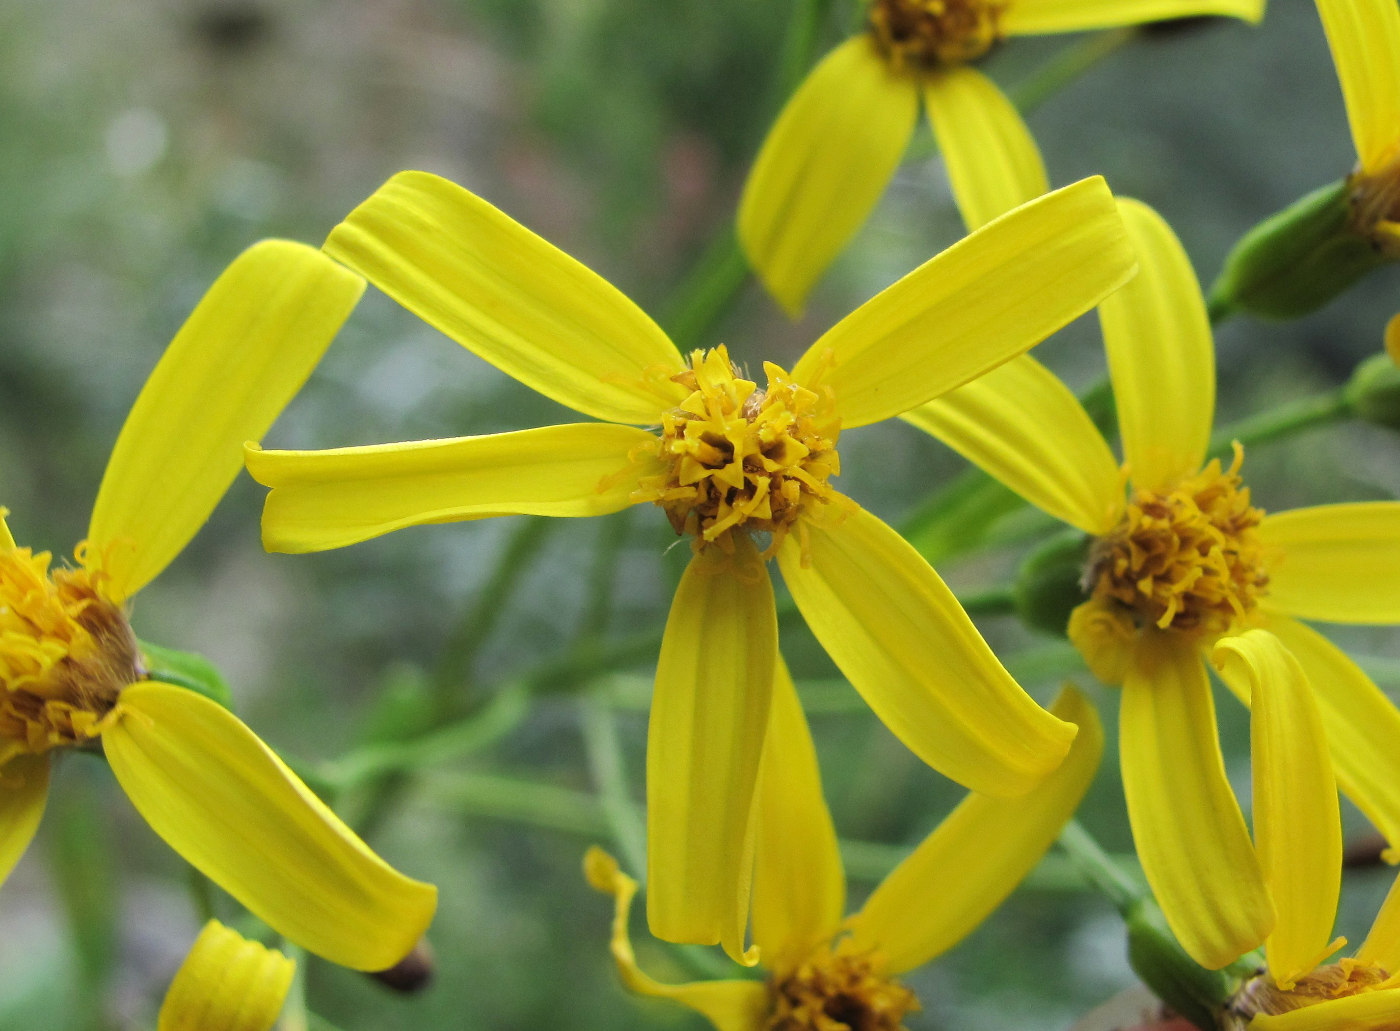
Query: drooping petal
{"x": 227, "y": 983}
{"x": 901, "y": 638}
{"x": 1382, "y": 944}
{"x": 799, "y": 886}
{"x": 224, "y": 801}
{"x": 709, "y": 716}
{"x": 1026, "y": 428}
{"x": 1297, "y": 823}
{"x": 328, "y": 499}
{"x": 1365, "y": 39}
{"x": 1213, "y": 892}
{"x": 1338, "y": 563}
{"x": 1371, "y": 1011}
{"x": 825, "y": 163}
{"x": 1025, "y": 17}
{"x": 510, "y": 297}
{"x": 24, "y": 788}
{"x": 978, "y": 854}
{"x": 245, "y": 350}
{"x": 1161, "y": 357}
{"x": 986, "y": 299}
{"x": 993, "y": 163}
{"x": 728, "y": 1005}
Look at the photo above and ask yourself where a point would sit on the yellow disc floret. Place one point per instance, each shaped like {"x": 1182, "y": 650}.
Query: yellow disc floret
{"x": 740, "y": 458}
{"x": 837, "y": 992}
{"x": 923, "y": 33}
{"x": 1374, "y": 199}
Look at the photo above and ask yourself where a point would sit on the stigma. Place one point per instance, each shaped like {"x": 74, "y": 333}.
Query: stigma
{"x": 926, "y": 33}
{"x": 834, "y": 991}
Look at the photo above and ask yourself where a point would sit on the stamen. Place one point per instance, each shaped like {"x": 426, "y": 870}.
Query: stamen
{"x": 837, "y": 992}
{"x": 926, "y": 33}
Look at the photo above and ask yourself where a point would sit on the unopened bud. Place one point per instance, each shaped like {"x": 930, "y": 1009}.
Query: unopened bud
{"x": 411, "y": 974}
{"x": 1191, "y": 990}
{"x": 1049, "y": 583}
{"x": 1373, "y": 392}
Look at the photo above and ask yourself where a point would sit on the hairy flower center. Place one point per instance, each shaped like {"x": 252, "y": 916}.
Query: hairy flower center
{"x": 1335, "y": 981}
{"x": 737, "y": 457}
{"x": 837, "y": 993}
{"x": 1186, "y": 559}
{"x": 65, "y": 654}
{"x": 921, "y": 33}
{"x": 1375, "y": 206}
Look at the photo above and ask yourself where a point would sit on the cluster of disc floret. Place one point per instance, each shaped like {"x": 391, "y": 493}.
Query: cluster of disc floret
{"x": 1375, "y": 206}
{"x": 838, "y": 992}
{"x": 924, "y": 33}
{"x": 1262, "y": 995}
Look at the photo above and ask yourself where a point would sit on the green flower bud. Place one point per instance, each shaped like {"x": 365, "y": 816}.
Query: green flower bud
{"x": 1190, "y": 989}
{"x": 1049, "y": 583}
{"x": 1373, "y": 392}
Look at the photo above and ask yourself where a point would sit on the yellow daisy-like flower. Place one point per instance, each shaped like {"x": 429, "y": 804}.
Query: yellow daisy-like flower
{"x": 837, "y": 143}
{"x": 72, "y": 673}
{"x": 829, "y": 973}
{"x": 227, "y": 983}
{"x": 745, "y": 468}
{"x": 1185, "y": 561}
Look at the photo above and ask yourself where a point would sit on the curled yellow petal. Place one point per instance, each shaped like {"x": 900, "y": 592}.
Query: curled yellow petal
{"x": 825, "y": 163}
{"x": 1382, "y": 944}
{"x": 1371, "y": 1011}
{"x": 245, "y": 350}
{"x": 227, "y": 983}
{"x": 1339, "y": 563}
{"x": 24, "y": 788}
{"x": 224, "y": 801}
{"x": 1033, "y": 16}
{"x": 1365, "y": 39}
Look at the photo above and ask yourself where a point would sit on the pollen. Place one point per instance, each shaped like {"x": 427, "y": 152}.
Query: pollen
{"x": 737, "y": 458}
{"x": 925, "y": 33}
{"x": 1185, "y": 559}
{"x": 66, "y": 652}
{"x": 838, "y": 992}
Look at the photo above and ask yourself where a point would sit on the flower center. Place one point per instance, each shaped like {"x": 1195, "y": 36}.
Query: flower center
{"x": 922, "y": 33}
{"x": 1375, "y": 206}
{"x": 66, "y": 652}
{"x": 1186, "y": 559}
{"x": 737, "y": 457}
{"x": 1334, "y": 981}
{"x": 837, "y": 993}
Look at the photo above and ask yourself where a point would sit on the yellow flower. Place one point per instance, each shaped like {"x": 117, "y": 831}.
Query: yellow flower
{"x": 226, "y": 983}
{"x": 830, "y": 973}
{"x": 1184, "y": 562}
{"x": 837, "y": 143}
{"x": 745, "y": 469}
{"x": 72, "y": 673}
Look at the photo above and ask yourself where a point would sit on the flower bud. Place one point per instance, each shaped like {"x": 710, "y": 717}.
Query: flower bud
{"x": 1049, "y": 584}
{"x": 1190, "y": 989}
{"x": 1373, "y": 392}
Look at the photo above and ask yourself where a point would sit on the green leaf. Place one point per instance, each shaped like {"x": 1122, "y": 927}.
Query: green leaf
{"x": 186, "y": 669}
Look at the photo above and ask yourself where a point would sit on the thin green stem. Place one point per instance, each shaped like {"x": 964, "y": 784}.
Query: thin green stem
{"x": 1284, "y": 421}
{"x": 1099, "y": 868}
{"x": 295, "y": 1014}
{"x": 1066, "y": 66}
{"x": 519, "y": 801}
{"x": 605, "y": 764}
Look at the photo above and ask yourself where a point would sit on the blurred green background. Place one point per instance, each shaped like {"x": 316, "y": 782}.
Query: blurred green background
{"x": 146, "y": 143}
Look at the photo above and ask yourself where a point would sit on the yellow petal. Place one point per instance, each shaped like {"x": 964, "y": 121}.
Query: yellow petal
{"x": 729, "y": 1005}
{"x": 328, "y": 499}
{"x": 1161, "y": 357}
{"x": 1338, "y": 563}
{"x": 227, "y": 983}
{"x": 825, "y": 163}
{"x": 1213, "y": 893}
{"x": 986, "y": 299}
{"x": 1297, "y": 823}
{"x": 799, "y": 887}
{"x": 709, "y": 714}
{"x": 1382, "y": 945}
{"x": 1365, "y": 39}
{"x": 1033, "y": 16}
{"x": 1026, "y": 428}
{"x": 993, "y": 163}
{"x": 904, "y": 642}
{"x": 1392, "y": 338}
{"x": 243, "y": 353}
{"x": 978, "y": 855}
{"x": 1371, "y": 1011}
{"x": 24, "y": 788}
{"x": 511, "y": 297}
{"x": 224, "y": 801}
{"x": 7, "y": 540}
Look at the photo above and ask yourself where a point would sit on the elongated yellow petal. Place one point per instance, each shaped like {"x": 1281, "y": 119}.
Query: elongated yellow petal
{"x": 1213, "y": 892}
{"x": 709, "y": 715}
{"x": 980, "y": 852}
{"x": 1339, "y": 563}
{"x": 1382, "y": 945}
{"x": 1033, "y": 16}
{"x": 1297, "y": 823}
{"x": 986, "y": 299}
{"x": 6, "y": 539}
{"x": 799, "y": 886}
{"x": 328, "y": 499}
{"x": 24, "y": 788}
{"x": 243, "y": 353}
{"x": 1371, "y": 1011}
{"x": 1161, "y": 357}
{"x": 1365, "y": 39}
{"x": 729, "y": 1005}
{"x": 223, "y": 800}
{"x": 511, "y": 297}
{"x": 825, "y": 163}
{"x": 1026, "y": 428}
{"x": 904, "y": 642}
{"x": 227, "y": 983}
{"x": 993, "y": 163}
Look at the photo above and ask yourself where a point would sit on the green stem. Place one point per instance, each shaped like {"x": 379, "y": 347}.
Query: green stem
{"x": 295, "y": 1014}
{"x": 1098, "y": 868}
{"x": 520, "y": 801}
{"x": 605, "y": 763}
{"x": 1066, "y": 66}
{"x": 1284, "y": 421}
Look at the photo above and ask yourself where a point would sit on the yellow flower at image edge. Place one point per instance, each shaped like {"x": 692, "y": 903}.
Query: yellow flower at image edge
{"x": 744, "y": 467}
{"x": 227, "y": 983}
{"x": 837, "y": 143}
{"x": 71, "y": 670}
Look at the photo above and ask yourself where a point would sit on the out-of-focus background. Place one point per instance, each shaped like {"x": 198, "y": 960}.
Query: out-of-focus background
{"x": 144, "y": 144}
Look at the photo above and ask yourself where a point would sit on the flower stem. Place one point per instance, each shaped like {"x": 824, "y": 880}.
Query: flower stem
{"x": 1284, "y": 421}
{"x": 1066, "y": 66}
{"x": 1100, "y": 869}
